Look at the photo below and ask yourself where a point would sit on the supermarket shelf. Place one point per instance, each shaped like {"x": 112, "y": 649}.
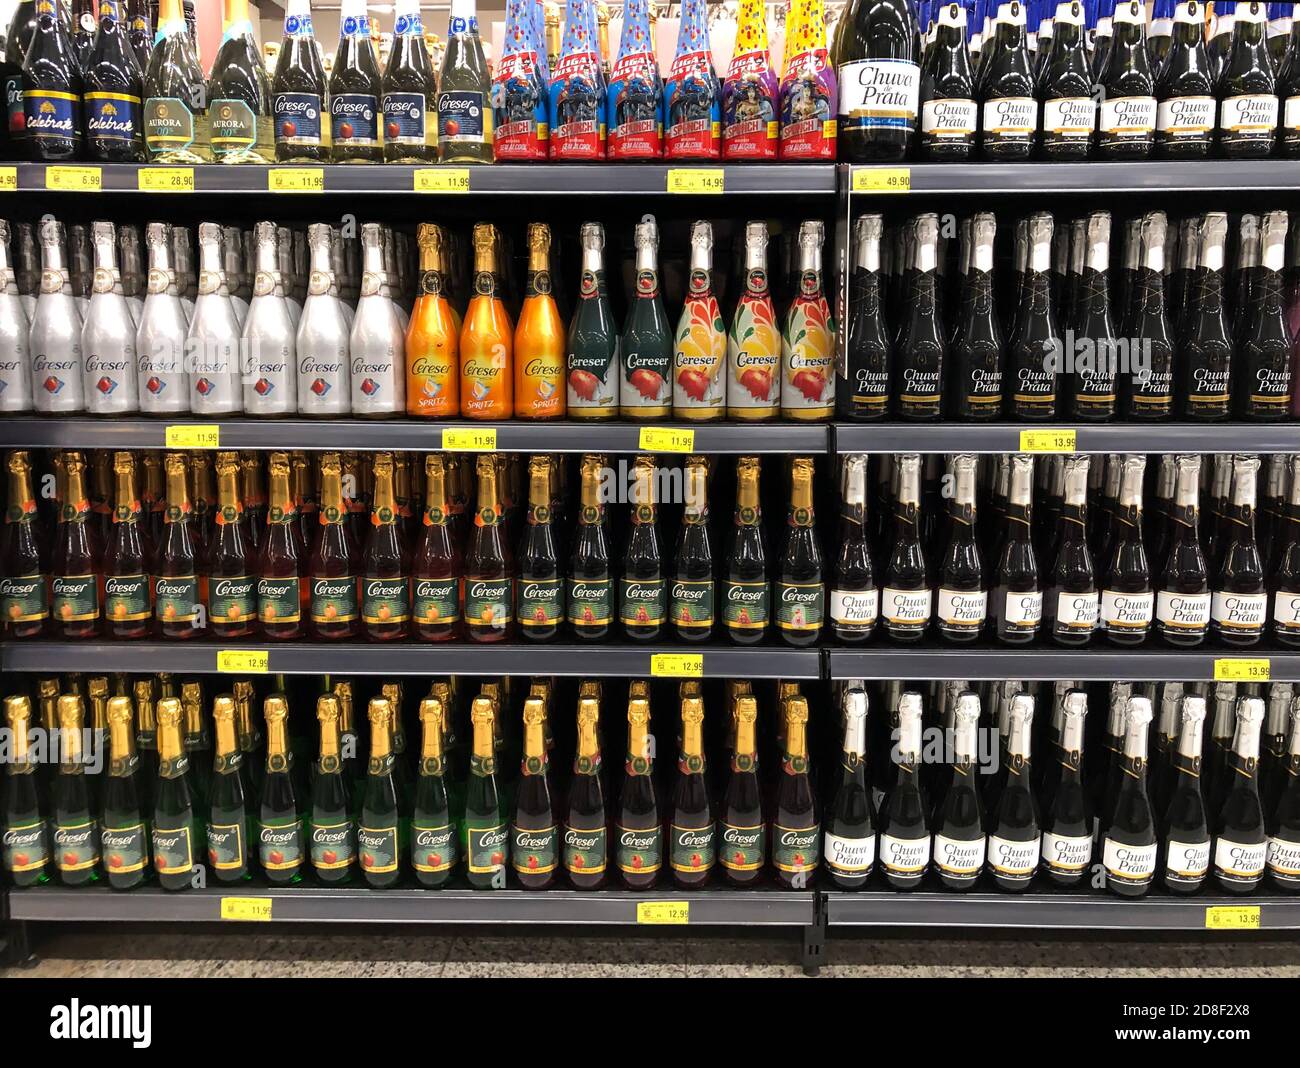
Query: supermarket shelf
{"x": 1149, "y": 176}
{"x": 547, "y": 179}
{"x": 311, "y": 904}
{"x": 108, "y": 432}
{"x": 1005, "y": 437}
{"x": 461, "y": 658}
{"x": 1098, "y": 662}
{"x": 1047, "y": 909}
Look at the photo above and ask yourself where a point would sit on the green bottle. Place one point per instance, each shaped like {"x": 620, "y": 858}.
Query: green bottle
{"x": 380, "y": 836}
{"x": 433, "y": 835}
{"x": 333, "y": 833}
{"x": 124, "y": 840}
{"x": 197, "y": 742}
{"x": 26, "y": 834}
{"x": 228, "y": 816}
{"x": 646, "y": 388}
{"x": 76, "y": 834}
{"x": 486, "y": 833}
{"x": 279, "y": 833}
{"x": 464, "y": 87}
{"x": 173, "y": 829}
{"x": 253, "y": 765}
{"x": 594, "y": 366}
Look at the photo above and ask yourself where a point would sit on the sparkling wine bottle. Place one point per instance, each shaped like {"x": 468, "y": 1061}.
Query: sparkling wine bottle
{"x": 57, "y": 375}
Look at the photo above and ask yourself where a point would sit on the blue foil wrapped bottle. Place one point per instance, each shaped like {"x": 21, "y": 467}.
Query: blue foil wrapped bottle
{"x": 692, "y": 95}
{"x": 636, "y": 91}
{"x": 520, "y": 99}
{"x": 578, "y": 89}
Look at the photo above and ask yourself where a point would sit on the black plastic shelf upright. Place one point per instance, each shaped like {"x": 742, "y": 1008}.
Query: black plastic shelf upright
{"x": 1101, "y": 439}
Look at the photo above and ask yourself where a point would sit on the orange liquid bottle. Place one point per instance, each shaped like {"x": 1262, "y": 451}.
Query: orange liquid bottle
{"x": 433, "y": 338}
{"x": 539, "y": 337}
{"x": 487, "y": 337}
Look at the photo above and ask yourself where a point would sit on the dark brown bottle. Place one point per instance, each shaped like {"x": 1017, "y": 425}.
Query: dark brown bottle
{"x": 585, "y": 832}
{"x": 800, "y": 590}
{"x": 282, "y": 585}
{"x": 692, "y": 846}
{"x": 385, "y": 563}
{"x": 745, "y": 594}
{"x": 692, "y": 596}
{"x": 742, "y": 834}
{"x": 232, "y": 578}
{"x": 489, "y": 564}
{"x": 534, "y": 845}
{"x": 24, "y": 558}
{"x": 642, "y": 594}
{"x": 589, "y": 601}
{"x": 639, "y": 850}
{"x": 335, "y": 612}
{"x": 75, "y": 566}
{"x": 128, "y": 559}
{"x": 436, "y": 569}
{"x": 796, "y": 830}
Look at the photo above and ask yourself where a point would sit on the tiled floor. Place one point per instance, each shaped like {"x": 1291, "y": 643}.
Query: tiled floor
{"x": 174, "y": 951}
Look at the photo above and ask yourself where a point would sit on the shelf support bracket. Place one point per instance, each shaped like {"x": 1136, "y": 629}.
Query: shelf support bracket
{"x": 15, "y": 949}
{"x": 814, "y": 938}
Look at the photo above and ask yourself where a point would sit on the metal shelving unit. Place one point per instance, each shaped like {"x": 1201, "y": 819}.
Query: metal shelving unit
{"x": 1005, "y": 437}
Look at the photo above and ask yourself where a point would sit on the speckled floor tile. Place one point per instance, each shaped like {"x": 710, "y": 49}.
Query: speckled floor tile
{"x": 609, "y": 956}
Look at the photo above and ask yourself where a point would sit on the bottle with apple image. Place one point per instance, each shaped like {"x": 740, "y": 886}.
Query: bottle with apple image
{"x": 487, "y": 838}
{"x": 808, "y": 342}
{"x": 643, "y": 595}
{"x": 586, "y": 839}
{"x": 355, "y": 90}
{"x": 754, "y": 343}
{"x": 647, "y": 340}
{"x": 410, "y": 93}
{"x": 229, "y": 820}
{"x": 433, "y": 833}
{"x": 282, "y": 585}
{"x": 436, "y": 568}
{"x": 700, "y": 353}
{"x": 381, "y": 834}
{"x": 593, "y": 356}
{"x": 280, "y": 835}
{"x": 124, "y": 838}
{"x": 302, "y": 127}
{"x": 534, "y": 846}
{"x": 464, "y": 92}
{"x": 26, "y": 830}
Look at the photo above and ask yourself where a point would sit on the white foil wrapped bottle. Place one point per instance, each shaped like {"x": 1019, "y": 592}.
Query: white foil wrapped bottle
{"x": 270, "y": 379}
{"x": 212, "y": 346}
{"x": 288, "y": 274}
{"x": 339, "y": 267}
{"x": 108, "y": 335}
{"x": 235, "y": 261}
{"x": 160, "y": 340}
{"x": 378, "y": 342}
{"x": 187, "y": 278}
{"x": 323, "y": 342}
{"x": 133, "y": 283}
{"x": 15, "y": 337}
{"x": 56, "y": 331}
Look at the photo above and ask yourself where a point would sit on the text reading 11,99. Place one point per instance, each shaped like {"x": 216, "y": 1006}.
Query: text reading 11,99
{"x": 257, "y": 909}
{"x": 476, "y": 440}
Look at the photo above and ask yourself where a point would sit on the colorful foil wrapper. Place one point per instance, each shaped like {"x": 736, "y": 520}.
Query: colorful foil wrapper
{"x": 809, "y": 96}
{"x": 578, "y": 89}
{"x": 636, "y": 92}
{"x": 750, "y": 94}
{"x": 520, "y": 100}
{"x": 692, "y": 95}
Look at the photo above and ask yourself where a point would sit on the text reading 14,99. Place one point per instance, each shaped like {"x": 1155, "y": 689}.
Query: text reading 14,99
{"x": 697, "y": 180}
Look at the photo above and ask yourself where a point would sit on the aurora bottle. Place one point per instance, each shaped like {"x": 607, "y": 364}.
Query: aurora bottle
{"x": 240, "y": 109}
{"x": 809, "y": 96}
{"x": 520, "y": 99}
{"x": 700, "y": 355}
{"x": 692, "y": 95}
{"x": 750, "y": 92}
{"x": 754, "y": 343}
{"x": 175, "y": 96}
{"x": 635, "y": 96}
{"x": 578, "y": 89}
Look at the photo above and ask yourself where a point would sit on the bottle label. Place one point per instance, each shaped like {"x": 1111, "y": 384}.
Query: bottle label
{"x": 126, "y": 598}
{"x": 1291, "y": 113}
{"x": 640, "y": 850}
{"x": 173, "y": 850}
{"x": 904, "y": 856}
{"x": 1283, "y": 857}
{"x": 642, "y": 602}
{"x": 1252, "y": 115}
{"x": 879, "y": 94}
{"x": 1128, "y": 117}
{"x": 808, "y": 125}
{"x": 433, "y": 848}
{"x": 949, "y": 119}
{"x": 168, "y": 125}
{"x": 487, "y": 849}
{"x": 176, "y": 598}
{"x": 233, "y": 126}
{"x": 404, "y": 119}
{"x": 354, "y": 119}
{"x": 905, "y": 608}
{"x": 636, "y": 104}
{"x": 1076, "y": 613}
{"x": 1187, "y": 860}
{"x": 378, "y": 849}
{"x": 125, "y": 849}
{"x": 112, "y": 116}
{"x": 14, "y": 106}
{"x": 808, "y": 351}
{"x": 855, "y": 608}
{"x": 754, "y": 354}
{"x": 745, "y": 605}
{"x": 1013, "y": 860}
{"x": 232, "y": 600}
{"x": 334, "y": 599}
{"x": 1239, "y": 612}
{"x": 1070, "y": 118}
{"x": 437, "y": 600}
{"x": 279, "y": 845}
{"x": 1066, "y": 853}
{"x": 1186, "y": 116}
{"x": 1011, "y": 118}
{"x": 849, "y": 856}
{"x": 584, "y": 850}
{"x": 461, "y": 118}
{"x": 1183, "y": 611}
{"x": 590, "y": 602}
{"x": 795, "y": 849}
{"x": 24, "y": 846}
{"x": 742, "y": 848}
{"x": 278, "y": 600}
{"x": 1126, "y": 611}
{"x": 700, "y": 353}
{"x": 534, "y": 851}
{"x": 386, "y": 600}
{"x": 1239, "y": 861}
{"x": 691, "y": 102}
{"x": 692, "y": 849}
{"x": 954, "y": 856}
{"x": 1128, "y": 863}
{"x": 298, "y": 119}
{"x": 74, "y": 598}
{"x": 541, "y": 602}
{"x": 50, "y": 115}
{"x": 962, "y": 609}
{"x": 226, "y": 846}
{"x": 691, "y": 602}
{"x": 24, "y": 599}
{"x": 487, "y": 602}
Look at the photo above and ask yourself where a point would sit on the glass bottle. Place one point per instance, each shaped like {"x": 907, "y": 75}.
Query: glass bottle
{"x": 52, "y": 90}
{"x": 754, "y": 341}
{"x": 174, "y": 827}
{"x": 75, "y": 566}
{"x": 232, "y": 583}
{"x": 539, "y": 337}
{"x": 436, "y": 568}
{"x": 128, "y": 559}
{"x": 228, "y": 820}
{"x": 1129, "y": 842}
{"x": 808, "y": 340}
{"x": 877, "y": 53}
{"x": 302, "y": 129}
{"x": 1240, "y": 841}
{"x": 1248, "y": 104}
{"x": 1128, "y": 107}
{"x": 1188, "y": 106}
{"x": 642, "y": 593}
{"x": 742, "y": 833}
{"x": 1072, "y": 600}
{"x": 381, "y": 836}
{"x": 692, "y": 593}
{"x": 433, "y": 834}
{"x": 862, "y": 393}
{"x": 240, "y": 107}
{"x": 593, "y": 350}
{"x": 589, "y": 599}
{"x": 489, "y": 564}
{"x": 700, "y": 354}
{"x": 55, "y": 340}
{"x": 1239, "y": 604}
{"x": 487, "y": 336}
{"x": 577, "y": 89}
{"x": 800, "y": 591}
{"x": 334, "y": 609}
{"x": 639, "y": 852}
{"x": 692, "y": 849}
{"x": 25, "y": 556}
{"x": 124, "y": 838}
{"x": 465, "y": 121}
{"x": 385, "y": 563}
{"x": 750, "y": 91}
{"x": 355, "y": 91}
{"x": 280, "y": 834}
{"x": 647, "y": 341}
{"x": 282, "y": 582}
{"x": 487, "y": 837}
{"x": 410, "y": 94}
{"x": 113, "y": 90}
{"x": 1127, "y": 599}
{"x": 745, "y": 597}
{"x": 1184, "y": 830}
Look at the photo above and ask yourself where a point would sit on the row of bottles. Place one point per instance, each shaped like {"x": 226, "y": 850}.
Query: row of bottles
{"x": 388, "y": 548}
{"x": 1090, "y": 319}
{"x": 248, "y": 341}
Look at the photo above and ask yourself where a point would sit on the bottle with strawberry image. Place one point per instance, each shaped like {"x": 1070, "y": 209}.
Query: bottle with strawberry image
{"x": 700, "y": 352}
{"x": 229, "y": 820}
{"x": 585, "y": 826}
{"x": 800, "y": 591}
{"x": 410, "y": 92}
{"x": 589, "y": 596}
{"x": 742, "y": 834}
{"x": 174, "y": 829}
{"x": 809, "y": 96}
{"x": 691, "y": 92}
{"x": 692, "y": 590}
{"x": 25, "y": 828}
{"x": 486, "y": 336}
{"x": 281, "y": 842}
{"x": 539, "y": 337}
{"x": 754, "y": 343}
{"x": 692, "y": 849}
{"x": 298, "y": 91}
{"x": 643, "y": 596}
{"x": 486, "y": 836}
{"x": 540, "y": 593}
{"x": 355, "y": 90}
{"x": 25, "y": 581}
{"x": 796, "y": 830}
{"x": 433, "y": 832}
{"x": 808, "y": 341}
{"x": 76, "y": 579}
{"x": 436, "y": 568}
{"x": 639, "y": 852}
{"x": 578, "y": 89}
{"x": 521, "y": 96}
{"x": 647, "y": 340}
{"x": 593, "y": 352}
{"x": 282, "y": 567}
{"x": 385, "y": 563}
{"x": 382, "y": 831}
{"x": 232, "y": 581}
{"x": 745, "y": 599}
{"x": 635, "y": 96}
{"x": 749, "y": 92}
{"x": 534, "y": 836}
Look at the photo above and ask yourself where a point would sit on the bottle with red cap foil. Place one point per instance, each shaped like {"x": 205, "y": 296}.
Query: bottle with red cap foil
{"x": 809, "y": 90}
{"x": 750, "y": 94}
{"x": 520, "y": 99}
{"x": 692, "y": 95}
{"x": 636, "y": 92}
{"x": 578, "y": 89}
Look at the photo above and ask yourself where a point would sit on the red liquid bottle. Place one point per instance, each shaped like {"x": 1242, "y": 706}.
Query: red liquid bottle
{"x": 437, "y": 567}
{"x": 232, "y": 574}
{"x": 385, "y": 563}
{"x": 304, "y": 494}
{"x": 335, "y": 613}
{"x": 281, "y": 590}
{"x": 252, "y": 490}
{"x": 489, "y": 565}
{"x": 177, "y": 604}
{"x": 128, "y": 557}
{"x": 25, "y": 570}
{"x": 75, "y": 567}
{"x": 203, "y": 499}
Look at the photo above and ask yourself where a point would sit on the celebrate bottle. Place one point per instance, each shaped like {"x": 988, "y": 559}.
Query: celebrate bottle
{"x": 854, "y": 599}
{"x": 487, "y": 837}
{"x": 905, "y": 599}
{"x": 541, "y": 584}
{"x": 108, "y": 335}
{"x": 1067, "y": 815}
{"x": 750, "y": 95}
{"x": 55, "y": 341}
{"x": 753, "y": 344}
{"x": 877, "y": 55}
{"x": 113, "y": 89}
{"x": 334, "y": 608}
{"x": 692, "y": 95}
{"x": 639, "y": 850}
{"x": 1072, "y": 600}
{"x": 381, "y": 834}
{"x": 1127, "y": 599}
{"x": 486, "y": 336}
{"x": 52, "y": 88}
{"x": 228, "y": 818}
{"x": 635, "y": 94}
{"x": 377, "y": 343}
{"x": 124, "y": 837}
{"x": 589, "y": 600}
{"x": 692, "y": 848}
{"x": 299, "y": 93}
{"x": 436, "y": 569}
{"x": 647, "y": 340}
{"x": 270, "y": 337}
{"x": 240, "y": 106}
{"x": 593, "y": 349}
{"x": 808, "y": 340}
{"x": 741, "y": 833}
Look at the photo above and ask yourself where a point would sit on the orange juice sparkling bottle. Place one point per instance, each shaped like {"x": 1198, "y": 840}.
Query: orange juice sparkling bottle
{"x": 487, "y": 337}
{"x": 539, "y": 337}
{"x": 433, "y": 338}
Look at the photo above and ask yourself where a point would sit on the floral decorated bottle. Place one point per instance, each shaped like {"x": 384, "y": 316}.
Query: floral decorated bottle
{"x": 700, "y": 357}
{"x": 635, "y": 97}
{"x": 520, "y": 98}
{"x": 809, "y": 95}
{"x": 808, "y": 343}
{"x": 754, "y": 344}
{"x": 692, "y": 96}
{"x": 578, "y": 89}
{"x": 750, "y": 93}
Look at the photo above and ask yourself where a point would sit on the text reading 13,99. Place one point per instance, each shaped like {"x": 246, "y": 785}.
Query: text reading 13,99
{"x": 1242, "y": 669}
{"x": 1048, "y": 440}
{"x": 1232, "y": 917}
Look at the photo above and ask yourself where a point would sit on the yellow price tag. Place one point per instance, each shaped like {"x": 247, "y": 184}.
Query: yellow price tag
{"x": 696, "y": 180}
{"x": 1241, "y": 669}
{"x": 439, "y": 180}
{"x": 476, "y": 440}
{"x": 1048, "y": 440}
{"x": 295, "y": 180}
{"x": 1232, "y": 917}
{"x": 74, "y": 179}
{"x": 8, "y": 179}
{"x": 194, "y": 437}
{"x": 166, "y": 179}
{"x": 677, "y": 665}
{"x": 658, "y": 439}
{"x": 882, "y": 180}
{"x": 663, "y": 912}
{"x": 243, "y": 661}
{"x": 246, "y": 908}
